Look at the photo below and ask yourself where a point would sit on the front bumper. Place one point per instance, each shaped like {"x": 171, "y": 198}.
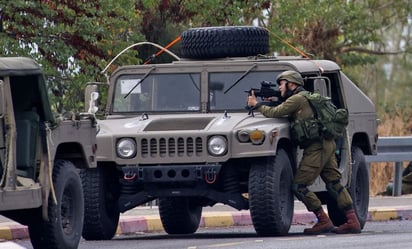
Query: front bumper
{"x": 141, "y": 184}
{"x": 172, "y": 174}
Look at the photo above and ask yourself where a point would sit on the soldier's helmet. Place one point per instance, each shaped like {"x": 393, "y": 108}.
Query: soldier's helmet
{"x": 290, "y": 76}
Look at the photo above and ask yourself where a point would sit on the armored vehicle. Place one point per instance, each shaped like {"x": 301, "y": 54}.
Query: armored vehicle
{"x": 40, "y": 157}
{"x": 179, "y": 132}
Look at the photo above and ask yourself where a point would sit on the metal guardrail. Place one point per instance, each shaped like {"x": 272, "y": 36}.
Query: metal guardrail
{"x": 394, "y": 149}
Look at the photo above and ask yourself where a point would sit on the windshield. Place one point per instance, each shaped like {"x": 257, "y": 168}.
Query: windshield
{"x": 158, "y": 92}
{"x": 180, "y": 92}
{"x": 235, "y": 98}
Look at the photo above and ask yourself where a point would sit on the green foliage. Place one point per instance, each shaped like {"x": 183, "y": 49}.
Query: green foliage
{"x": 337, "y": 30}
{"x": 164, "y": 20}
{"x": 72, "y": 40}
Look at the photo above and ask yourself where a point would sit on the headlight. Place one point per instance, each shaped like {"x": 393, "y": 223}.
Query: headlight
{"x": 217, "y": 145}
{"x": 126, "y": 148}
{"x": 243, "y": 136}
{"x": 255, "y": 136}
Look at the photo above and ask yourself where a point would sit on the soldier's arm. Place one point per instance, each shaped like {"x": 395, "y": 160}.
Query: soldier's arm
{"x": 291, "y": 105}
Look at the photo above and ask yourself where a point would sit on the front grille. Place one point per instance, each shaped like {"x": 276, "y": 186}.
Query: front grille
{"x": 171, "y": 147}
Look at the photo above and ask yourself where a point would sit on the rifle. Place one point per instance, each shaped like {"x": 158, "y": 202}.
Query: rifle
{"x": 267, "y": 92}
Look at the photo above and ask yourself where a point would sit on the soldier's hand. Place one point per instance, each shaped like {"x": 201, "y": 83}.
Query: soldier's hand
{"x": 251, "y": 99}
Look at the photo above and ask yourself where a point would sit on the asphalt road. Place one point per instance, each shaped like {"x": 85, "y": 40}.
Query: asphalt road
{"x": 394, "y": 232}
{"x": 377, "y": 235}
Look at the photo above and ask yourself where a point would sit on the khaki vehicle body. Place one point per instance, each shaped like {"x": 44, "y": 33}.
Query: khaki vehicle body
{"x": 120, "y": 124}
{"x": 41, "y": 155}
{"x": 179, "y": 116}
{"x": 203, "y": 123}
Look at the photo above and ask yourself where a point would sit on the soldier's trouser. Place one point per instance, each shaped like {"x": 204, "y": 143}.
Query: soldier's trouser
{"x": 319, "y": 159}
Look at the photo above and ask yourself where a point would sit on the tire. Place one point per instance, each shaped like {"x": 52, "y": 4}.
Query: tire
{"x": 180, "y": 215}
{"x": 358, "y": 189}
{"x": 65, "y": 220}
{"x": 101, "y": 192}
{"x": 229, "y": 41}
{"x": 359, "y": 186}
{"x": 271, "y": 199}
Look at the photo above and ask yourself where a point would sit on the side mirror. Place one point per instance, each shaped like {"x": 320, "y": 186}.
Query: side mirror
{"x": 321, "y": 86}
{"x": 91, "y": 95}
{"x": 92, "y": 103}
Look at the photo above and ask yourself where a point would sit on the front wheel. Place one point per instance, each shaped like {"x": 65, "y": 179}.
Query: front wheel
{"x": 270, "y": 195}
{"x": 65, "y": 218}
{"x": 101, "y": 192}
{"x": 180, "y": 215}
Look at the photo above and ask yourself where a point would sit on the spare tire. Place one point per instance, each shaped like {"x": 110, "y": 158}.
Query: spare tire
{"x": 225, "y": 41}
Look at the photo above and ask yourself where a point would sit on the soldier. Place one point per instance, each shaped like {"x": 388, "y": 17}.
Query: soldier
{"x": 318, "y": 158}
{"x": 407, "y": 180}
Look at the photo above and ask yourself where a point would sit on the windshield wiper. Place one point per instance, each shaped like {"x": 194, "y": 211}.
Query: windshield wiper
{"x": 140, "y": 82}
{"x": 240, "y": 78}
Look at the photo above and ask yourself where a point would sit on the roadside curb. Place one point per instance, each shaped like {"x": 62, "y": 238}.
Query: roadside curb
{"x": 13, "y": 230}
{"x": 152, "y": 223}
{"x": 387, "y": 214}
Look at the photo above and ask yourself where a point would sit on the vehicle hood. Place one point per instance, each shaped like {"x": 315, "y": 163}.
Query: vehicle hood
{"x": 216, "y": 122}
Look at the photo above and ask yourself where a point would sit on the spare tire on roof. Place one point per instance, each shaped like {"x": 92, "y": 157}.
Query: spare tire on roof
{"x": 225, "y": 41}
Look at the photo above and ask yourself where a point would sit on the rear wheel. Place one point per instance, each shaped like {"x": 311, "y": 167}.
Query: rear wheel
{"x": 180, "y": 215}
{"x": 270, "y": 195}
{"x": 358, "y": 189}
{"x": 65, "y": 219}
{"x": 359, "y": 186}
{"x": 101, "y": 192}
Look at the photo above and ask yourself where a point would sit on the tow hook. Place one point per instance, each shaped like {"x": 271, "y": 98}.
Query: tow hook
{"x": 129, "y": 176}
{"x": 210, "y": 176}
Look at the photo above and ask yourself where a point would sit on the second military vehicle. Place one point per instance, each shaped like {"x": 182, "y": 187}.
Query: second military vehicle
{"x": 40, "y": 157}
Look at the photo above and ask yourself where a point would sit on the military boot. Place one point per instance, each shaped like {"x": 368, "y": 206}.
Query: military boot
{"x": 324, "y": 224}
{"x": 352, "y": 224}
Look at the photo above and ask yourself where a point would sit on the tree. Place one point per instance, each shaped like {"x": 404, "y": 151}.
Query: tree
{"x": 165, "y": 20}
{"x": 370, "y": 40}
{"x": 72, "y": 40}
{"x": 349, "y": 32}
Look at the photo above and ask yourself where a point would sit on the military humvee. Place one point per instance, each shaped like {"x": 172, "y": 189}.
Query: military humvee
{"x": 179, "y": 132}
{"x": 40, "y": 156}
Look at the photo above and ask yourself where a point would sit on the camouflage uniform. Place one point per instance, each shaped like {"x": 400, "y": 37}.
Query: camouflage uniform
{"x": 407, "y": 180}
{"x": 318, "y": 157}
{"x": 407, "y": 184}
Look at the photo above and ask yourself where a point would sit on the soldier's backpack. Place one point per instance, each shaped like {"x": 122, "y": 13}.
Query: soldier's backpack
{"x": 329, "y": 122}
